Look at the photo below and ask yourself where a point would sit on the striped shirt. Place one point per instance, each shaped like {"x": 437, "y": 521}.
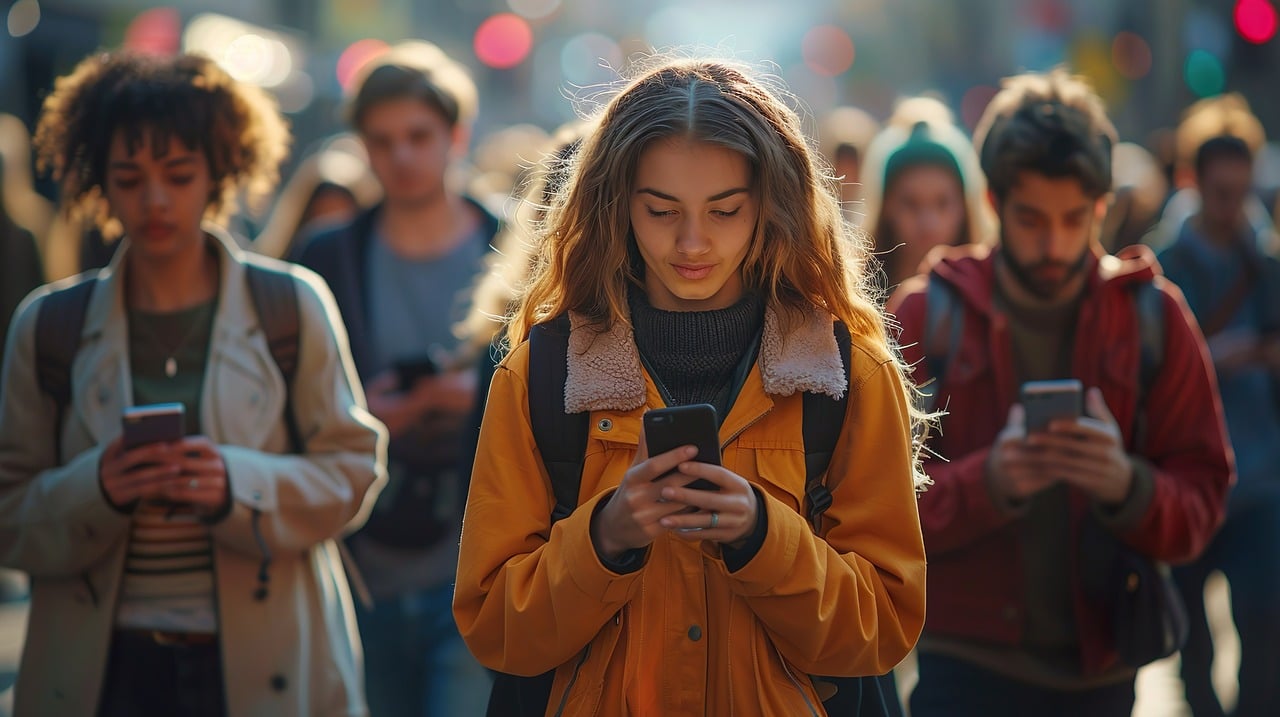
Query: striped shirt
{"x": 168, "y": 571}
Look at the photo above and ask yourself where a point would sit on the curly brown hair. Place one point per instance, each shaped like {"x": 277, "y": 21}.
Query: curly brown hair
{"x": 237, "y": 126}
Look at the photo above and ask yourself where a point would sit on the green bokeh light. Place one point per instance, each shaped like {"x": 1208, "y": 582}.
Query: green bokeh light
{"x": 1204, "y": 74}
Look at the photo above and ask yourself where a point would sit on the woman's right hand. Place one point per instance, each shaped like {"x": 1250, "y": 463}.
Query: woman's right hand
{"x": 631, "y": 518}
{"x": 129, "y": 476}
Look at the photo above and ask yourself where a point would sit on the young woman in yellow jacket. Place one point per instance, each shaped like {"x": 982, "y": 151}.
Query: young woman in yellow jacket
{"x": 698, "y": 249}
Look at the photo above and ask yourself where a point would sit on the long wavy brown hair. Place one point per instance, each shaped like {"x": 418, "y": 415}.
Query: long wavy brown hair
{"x": 802, "y": 254}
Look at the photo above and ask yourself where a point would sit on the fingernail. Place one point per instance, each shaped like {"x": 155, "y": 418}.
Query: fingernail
{"x": 690, "y": 451}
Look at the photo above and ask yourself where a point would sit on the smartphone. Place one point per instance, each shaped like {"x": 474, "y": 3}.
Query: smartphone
{"x": 696, "y": 425}
{"x": 409, "y": 370}
{"x": 153, "y": 423}
{"x": 1047, "y": 401}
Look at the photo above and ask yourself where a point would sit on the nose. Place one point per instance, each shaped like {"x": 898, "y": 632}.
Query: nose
{"x": 693, "y": 239}
{"x": 156, "y": 195}
{"x": 1058, "y": 244}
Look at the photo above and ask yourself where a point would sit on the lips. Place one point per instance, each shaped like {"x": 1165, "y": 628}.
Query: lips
{"x": 693, "y": 272}
{"x": 156, "y": 230}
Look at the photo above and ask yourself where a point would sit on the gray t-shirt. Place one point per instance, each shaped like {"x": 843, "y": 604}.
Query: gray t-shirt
{"x": 415, "y": 303}
{"x": 413, "y": 307}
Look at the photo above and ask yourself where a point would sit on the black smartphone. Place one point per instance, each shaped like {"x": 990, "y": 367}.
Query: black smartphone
{"x": 696, "y": 425}
{"x": 409, "y": 370}
{"x": 1047, "y": 401}
{"x": 154, "y": 423}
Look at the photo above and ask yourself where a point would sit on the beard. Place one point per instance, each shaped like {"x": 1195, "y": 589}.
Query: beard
{"x": 1045, "y": 279}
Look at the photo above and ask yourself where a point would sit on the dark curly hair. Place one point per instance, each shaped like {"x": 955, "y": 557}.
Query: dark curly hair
{"x": 1050, "y": 123}
{"x": 237, "y": 126}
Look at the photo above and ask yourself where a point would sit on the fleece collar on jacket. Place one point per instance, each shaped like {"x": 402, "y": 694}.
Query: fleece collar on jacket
{"x": 971, "y": 270}
{"x": 604, "y": 371}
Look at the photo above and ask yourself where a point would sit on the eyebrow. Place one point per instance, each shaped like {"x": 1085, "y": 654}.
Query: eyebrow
{"x": 714, "y": 198}
{"x": 175, "y": 163}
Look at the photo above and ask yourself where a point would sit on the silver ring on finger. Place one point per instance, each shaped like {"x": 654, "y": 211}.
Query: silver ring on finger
{"x": 715, "y": 519}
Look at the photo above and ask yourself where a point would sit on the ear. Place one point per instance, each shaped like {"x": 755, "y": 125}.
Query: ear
{"x": 461, "y": 139}
{"x": 1100, "y": 206}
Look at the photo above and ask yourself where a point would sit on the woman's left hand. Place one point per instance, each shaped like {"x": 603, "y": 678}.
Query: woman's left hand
{"x": 727, "y": 515}
{"x": 202, "y": 481}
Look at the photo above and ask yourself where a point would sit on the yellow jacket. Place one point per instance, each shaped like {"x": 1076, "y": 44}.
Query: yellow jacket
{"x": 531, "y": 597}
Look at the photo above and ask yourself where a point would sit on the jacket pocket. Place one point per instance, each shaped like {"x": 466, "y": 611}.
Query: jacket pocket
{"x": 580, "y": 683}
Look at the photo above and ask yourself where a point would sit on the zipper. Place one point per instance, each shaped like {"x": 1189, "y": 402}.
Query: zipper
{"x": 812, "y": 710}
{"x": 564, "y": 699}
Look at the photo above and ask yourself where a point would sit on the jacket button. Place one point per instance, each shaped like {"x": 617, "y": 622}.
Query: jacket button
{"x": 279, "y": 683}
{"x": 605, "y": 425}
{"x": 695, "y": 633}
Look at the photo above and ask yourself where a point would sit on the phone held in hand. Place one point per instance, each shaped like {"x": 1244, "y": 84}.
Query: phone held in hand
{"x": 1048, "y": 401}
{"x": 154, "y": 423}
{"x": 669, "y": 428}
{"x": 409, "y": 370}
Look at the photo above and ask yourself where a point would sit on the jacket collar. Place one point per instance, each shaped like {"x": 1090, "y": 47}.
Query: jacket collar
{"x": 107, "y": 306}
{"x": 605, "y": 374}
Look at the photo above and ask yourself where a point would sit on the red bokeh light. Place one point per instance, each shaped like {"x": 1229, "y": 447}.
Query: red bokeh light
{"x": 1131, "y": 55}
{"x": 503, "y": 41}
{"x": 155, "y": 32}
{"x": 827, "y": 50}
{"x": 1255, "y": 20}
{"x": 355, "y": 57}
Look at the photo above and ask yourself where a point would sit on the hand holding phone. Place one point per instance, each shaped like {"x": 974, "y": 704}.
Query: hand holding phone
{"x": 697, "y": 425}
{"x": 409, "y": 370}
{"x": 142, "y": 461}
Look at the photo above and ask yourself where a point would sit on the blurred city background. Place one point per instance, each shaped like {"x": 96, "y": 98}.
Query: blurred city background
{"x": 537, "y": 61}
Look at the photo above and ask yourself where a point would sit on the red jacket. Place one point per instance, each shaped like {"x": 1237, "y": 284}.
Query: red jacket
{"x": 975, "y": 578}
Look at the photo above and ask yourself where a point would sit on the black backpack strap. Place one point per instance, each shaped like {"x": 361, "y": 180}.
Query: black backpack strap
{"x": 561, "y": 437}
{"x": 823, "y": 420}
{"x": 276, "y": 300}
{"x": 1148, "y": 302}
{"x": 943, "y": 327}
{"x": 59, "y": 322}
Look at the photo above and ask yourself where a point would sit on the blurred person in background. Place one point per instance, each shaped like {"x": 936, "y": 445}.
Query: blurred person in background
{"x": 1021, "y": 606}
{"x": 197, "y": 575}
{"x": 329, "y": 188}
{"x": 1139, "y": 193}
{"x": 1234, "y": 290}
{"x": 501, "y": 163}
{"x": 843, "y": 136}
{"x": 922, "y": 188}
{"x": 402, "y": 273}
{"x": 1222, "y": 115}
{"x": 20, "y": 267}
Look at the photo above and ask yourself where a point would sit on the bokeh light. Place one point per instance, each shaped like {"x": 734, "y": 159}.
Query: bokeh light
{"x": 23, "y": 18}
{"x": 296, "y": 93}
{"x": 1131, "y": 55}
{"x": 1255, "y": 20}
{"x": 828, "y": 50}
{"x": 534, "y": 9}
{"x": 258, "y": 60}
{"x": 590, "y": 58}
{"x": 355, "y": 57}
{"x": 1204, "y": 74}
{"x": 974, "y": 103}
{"x": 155, "y": 32}
{"x": 503, "y": 41}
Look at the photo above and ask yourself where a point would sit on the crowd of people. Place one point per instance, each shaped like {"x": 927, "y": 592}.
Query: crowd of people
{"x": 410, "y": 472}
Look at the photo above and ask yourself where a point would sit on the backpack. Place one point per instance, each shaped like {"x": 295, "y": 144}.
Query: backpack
{"x": 60, "y": 320}
{"x": 1148, "y": 617}
{"x": 562, "y": 441}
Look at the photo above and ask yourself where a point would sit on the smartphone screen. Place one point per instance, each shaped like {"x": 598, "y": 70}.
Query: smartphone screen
{"x": 1047, "y": 401}
{"x": 697, "y": 425}
{"x": 153, "y": 423}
